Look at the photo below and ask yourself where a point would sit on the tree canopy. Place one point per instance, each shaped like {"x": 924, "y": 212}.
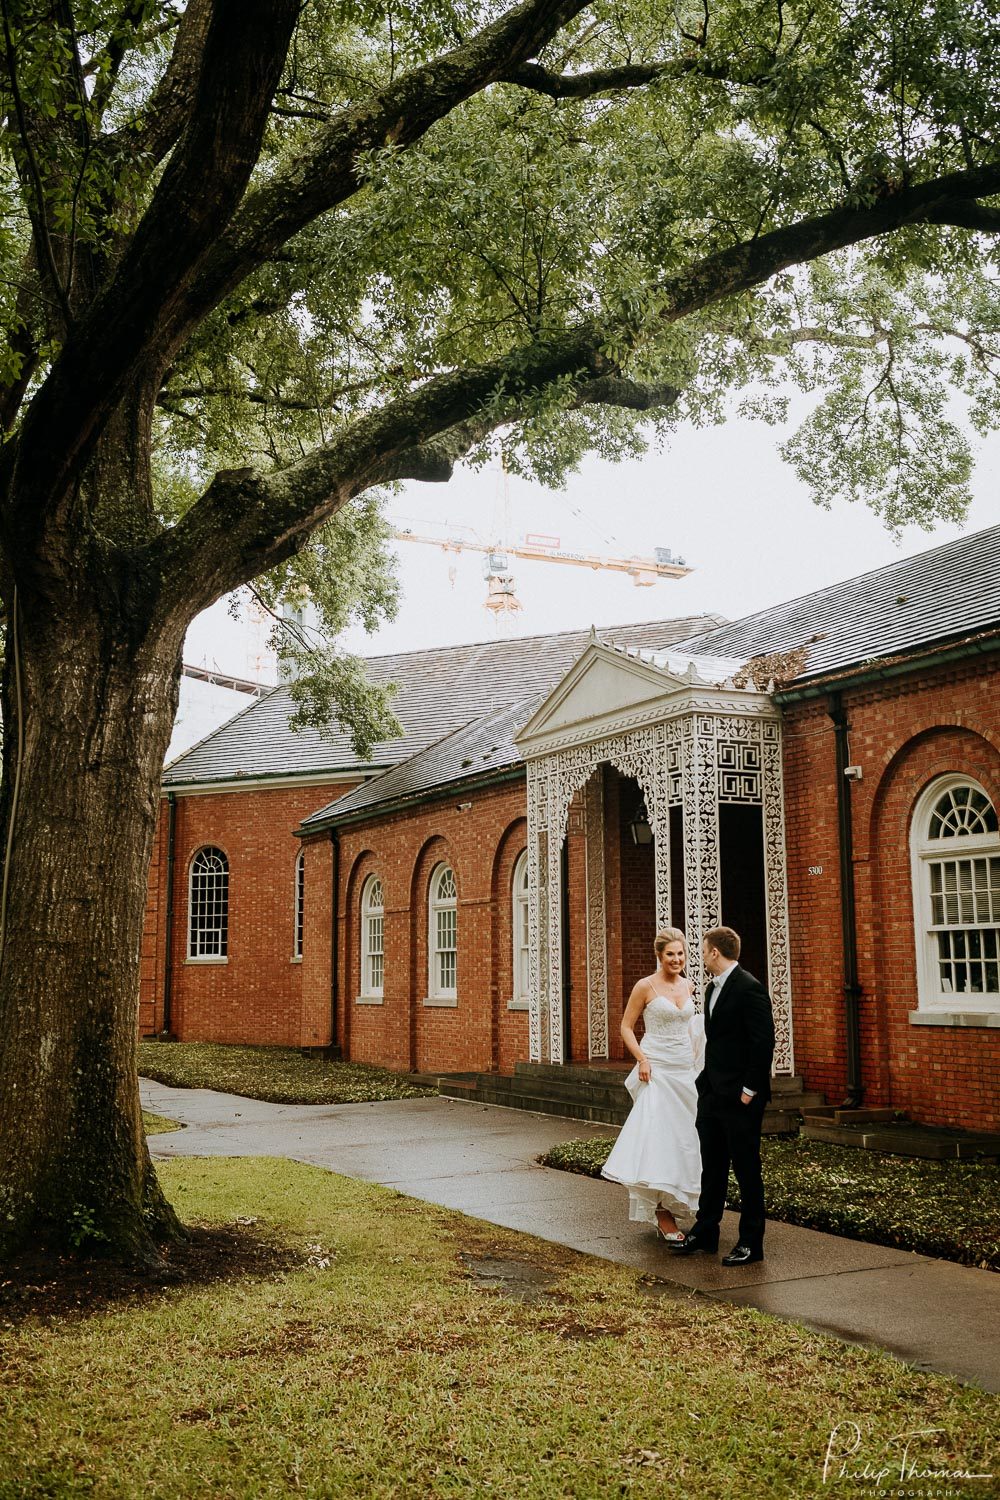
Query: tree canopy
{"x": 368, "y": 240}
{"x": 260, "y": 259}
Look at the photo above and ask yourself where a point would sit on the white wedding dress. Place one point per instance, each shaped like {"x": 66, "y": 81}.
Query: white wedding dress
{"x": 657, "y": 1155}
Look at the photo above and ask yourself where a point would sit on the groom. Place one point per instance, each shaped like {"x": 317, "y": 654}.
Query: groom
{"x": 733, "y": 1089}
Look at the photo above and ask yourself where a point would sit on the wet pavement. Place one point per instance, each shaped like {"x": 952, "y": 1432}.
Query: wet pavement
{"x": 481, "y": 1160}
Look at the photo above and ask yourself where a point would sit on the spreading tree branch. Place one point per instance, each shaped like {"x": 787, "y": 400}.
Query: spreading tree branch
{"x": 163, "y": 118}
{"x": 191, "y": 247}
{"x": 967, "y": 215}
{"x": 243, "y": 57}
{"x": 630, "y": 76}
{"x": 397, "y": 115}
{"x": 35, "y": 195}
{"x": 247, "y": 522}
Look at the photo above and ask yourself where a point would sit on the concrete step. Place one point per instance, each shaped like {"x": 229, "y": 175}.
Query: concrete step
{"x": 566, "y": 1092}
{"x": 780, "y": 1122}
{"x": 838, "y": 1116}
{"x": 902, "y": 1138}
{"x": 493, "y": 1088}
{"x": 573, "y": 1091}
{"x": 606, "y": 1075}
{"x": 565, "y": 1109}
{"x": 805, "y": 1103}
{"x": 457, "y": 1088}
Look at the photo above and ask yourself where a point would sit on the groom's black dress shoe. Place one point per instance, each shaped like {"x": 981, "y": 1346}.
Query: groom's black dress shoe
{"x": 742, "y": 1255}
{"x": 693, "y": 1241}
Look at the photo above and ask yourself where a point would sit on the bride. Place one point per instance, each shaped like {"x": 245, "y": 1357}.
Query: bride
{"x": 656, "y": 1155}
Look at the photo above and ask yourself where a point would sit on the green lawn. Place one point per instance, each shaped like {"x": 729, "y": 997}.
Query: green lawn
{"x": 378, "y": 1366}
{"x": 158, "y": 1124}
{"x": 281, "y": 1075}
{"x": 949, "y": 1209}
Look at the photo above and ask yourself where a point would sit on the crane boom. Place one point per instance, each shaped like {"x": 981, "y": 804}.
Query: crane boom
{"x": 644, "y": 570}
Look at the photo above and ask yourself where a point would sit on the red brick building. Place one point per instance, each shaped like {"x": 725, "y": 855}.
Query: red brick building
{"x": 824, "y": 776}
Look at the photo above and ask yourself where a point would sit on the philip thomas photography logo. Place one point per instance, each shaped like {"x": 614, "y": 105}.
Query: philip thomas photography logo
{"x": 913, "y": 1463}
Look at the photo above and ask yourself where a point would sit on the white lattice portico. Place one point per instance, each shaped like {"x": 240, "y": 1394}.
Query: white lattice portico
{"x": 695, "y": 742}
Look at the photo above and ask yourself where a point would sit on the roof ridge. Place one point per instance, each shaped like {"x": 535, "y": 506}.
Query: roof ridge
{"x": 550, "y": 635}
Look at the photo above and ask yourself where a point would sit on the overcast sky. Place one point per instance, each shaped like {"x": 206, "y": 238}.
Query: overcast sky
{"x": 720, "y": 497}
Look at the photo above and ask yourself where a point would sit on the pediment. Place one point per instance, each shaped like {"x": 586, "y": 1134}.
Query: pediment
{"x": 601, "y": 684}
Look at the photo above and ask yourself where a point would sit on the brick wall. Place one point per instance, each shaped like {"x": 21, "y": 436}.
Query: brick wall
{"x": 903, "y": 734}
{"x": 481, "y": 843}
{"x": 259, "y": 993}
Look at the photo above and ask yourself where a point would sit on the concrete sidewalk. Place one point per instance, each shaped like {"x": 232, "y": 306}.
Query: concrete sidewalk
{"x": 481, "y": 1160}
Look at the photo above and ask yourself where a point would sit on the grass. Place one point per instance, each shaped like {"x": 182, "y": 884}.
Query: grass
{"x": 379, "y": 1367}
{"x": 949, "y": 1209}
{"x": 281, "y": 1075}
{"x": 158, "y": 1124}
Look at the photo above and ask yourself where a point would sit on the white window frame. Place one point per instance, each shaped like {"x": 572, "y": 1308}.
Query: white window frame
{"x": 299, "y": 907}
{"x": 439, "y": 993}
{"x": 372, "y": 956}
{"x": 519, "y": 934}
{"x": 219, "y": 953}
{"x": 935, "y": 1005}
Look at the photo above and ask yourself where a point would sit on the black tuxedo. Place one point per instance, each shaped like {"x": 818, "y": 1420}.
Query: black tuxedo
{"x": 739, "y": 1047}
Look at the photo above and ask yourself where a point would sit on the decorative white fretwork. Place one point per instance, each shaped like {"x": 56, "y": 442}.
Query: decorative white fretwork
{"x": 597, "y": 924}
{"x": 776, "y": 897}
{"x": 696, "y": 760}
{"x": 553, "y": 781}
{"x": 537, "y": 831}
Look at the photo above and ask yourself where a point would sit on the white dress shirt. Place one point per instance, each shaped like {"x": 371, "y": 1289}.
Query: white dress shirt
{"x": 718, "y": 980}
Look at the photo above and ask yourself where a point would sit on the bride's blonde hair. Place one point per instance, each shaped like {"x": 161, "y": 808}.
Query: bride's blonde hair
{"x": 666, "y": 936}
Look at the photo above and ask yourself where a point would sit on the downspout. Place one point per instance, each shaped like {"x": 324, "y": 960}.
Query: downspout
{"x": 166, "y": 1034}
{"x": 334, "y": 923}
{"x": 566, "y": 986}
{"x": 848, "y": 917}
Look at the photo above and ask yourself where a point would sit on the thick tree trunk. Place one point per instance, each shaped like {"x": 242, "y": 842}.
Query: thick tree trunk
{"x": 88, "y": 710}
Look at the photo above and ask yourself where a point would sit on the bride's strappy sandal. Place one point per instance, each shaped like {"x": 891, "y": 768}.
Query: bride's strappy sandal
{"x": 671, "y": 1237}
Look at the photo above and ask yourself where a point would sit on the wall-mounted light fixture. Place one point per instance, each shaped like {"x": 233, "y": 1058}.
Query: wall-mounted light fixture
{"x": 639, "y": 827}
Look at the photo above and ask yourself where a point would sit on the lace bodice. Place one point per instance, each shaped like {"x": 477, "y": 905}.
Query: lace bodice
{"x": 668, "y": 1030}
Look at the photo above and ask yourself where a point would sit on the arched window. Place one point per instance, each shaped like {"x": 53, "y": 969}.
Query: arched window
{"x": 442, "y": 947}
{"x": 208, "y": 906}
{"x": 519, "y": 929}
{"x": 372, "y": 939}
{"x": 956, "y": 882}
{"x": 300, "y": 903}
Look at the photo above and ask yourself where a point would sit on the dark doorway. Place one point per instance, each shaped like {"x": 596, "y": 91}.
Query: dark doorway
{"x": 677, "y": 908}
{"x": 741, "y": 858}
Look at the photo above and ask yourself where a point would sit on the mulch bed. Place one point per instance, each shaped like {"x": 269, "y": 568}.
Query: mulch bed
{"x": 41, "y": 1283}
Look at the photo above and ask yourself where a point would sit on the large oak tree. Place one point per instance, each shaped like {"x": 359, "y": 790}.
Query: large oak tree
{"x": 263, "y": 257}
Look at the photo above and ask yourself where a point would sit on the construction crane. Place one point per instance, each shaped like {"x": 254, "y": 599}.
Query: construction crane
{"x": 226, "y": 679}
{"x": 644, "y": 571}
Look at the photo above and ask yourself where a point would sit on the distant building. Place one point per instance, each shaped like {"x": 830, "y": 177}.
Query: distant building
{"x": 824, "y": 776}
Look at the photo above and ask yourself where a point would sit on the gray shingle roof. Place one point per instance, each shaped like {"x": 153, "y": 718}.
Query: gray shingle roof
{"x": 946, "y": 593}
{"x": 477, "y": 749}
{"x": 439, "y": 691}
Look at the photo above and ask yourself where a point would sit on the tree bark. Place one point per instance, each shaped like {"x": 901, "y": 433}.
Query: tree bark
{"x": 89, "y": 701}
